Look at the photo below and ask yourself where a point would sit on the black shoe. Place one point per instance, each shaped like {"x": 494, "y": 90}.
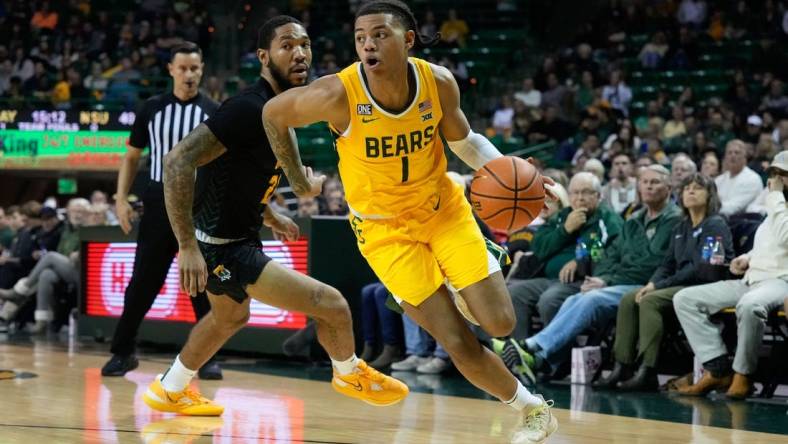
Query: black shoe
{"x": 619, "y": 373}
{"x": 300, "y": 342}
{"x": 119, "y": 365}
{"x": 644, "y": 380}
{"x": 210, "y": 371}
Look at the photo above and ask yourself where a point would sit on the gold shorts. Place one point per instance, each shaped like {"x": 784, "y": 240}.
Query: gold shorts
{"x": 414, "y": 254}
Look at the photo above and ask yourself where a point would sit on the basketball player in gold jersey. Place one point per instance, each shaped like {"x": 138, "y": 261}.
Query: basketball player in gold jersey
{"x": 413, "y": 224}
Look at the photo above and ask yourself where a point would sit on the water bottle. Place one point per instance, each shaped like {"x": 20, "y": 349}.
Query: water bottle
{"x": 708, "y": 246}
{"x": 717, "y": 253}
{"x": 596, "y": 249}
{"x": 583, "y": 260}
{"x": 581, "y": 250}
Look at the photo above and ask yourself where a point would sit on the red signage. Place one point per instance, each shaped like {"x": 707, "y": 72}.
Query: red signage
{"x": 109, "y": 267}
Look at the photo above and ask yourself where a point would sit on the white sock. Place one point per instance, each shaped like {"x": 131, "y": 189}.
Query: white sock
{"x": 345, "y": 367}
{"x": 177, "y": 376}
{"x": 523, "y": 399}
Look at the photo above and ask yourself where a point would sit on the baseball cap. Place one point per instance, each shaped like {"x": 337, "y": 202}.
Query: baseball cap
{"x": 755, "y": 120}
{"x": 780, "y": 162}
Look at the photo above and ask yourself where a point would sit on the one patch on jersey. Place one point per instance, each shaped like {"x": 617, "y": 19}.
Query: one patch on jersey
{"x": 364, "y": 109}
{"x": 425, "y": 105}
{"x": 426, "y": 117}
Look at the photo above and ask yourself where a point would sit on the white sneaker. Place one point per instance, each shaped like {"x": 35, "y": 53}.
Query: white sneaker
{"x": 409, "y": 364}
{"x": 23, "y": 289}
{"x": 538, "y": 424}
{"x": 434, "y": 366}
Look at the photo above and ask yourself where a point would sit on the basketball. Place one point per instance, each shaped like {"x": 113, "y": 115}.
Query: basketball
{"x": 507, "y": 193}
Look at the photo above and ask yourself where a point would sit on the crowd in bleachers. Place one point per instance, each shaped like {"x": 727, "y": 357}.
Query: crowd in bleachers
{"x": 39, "y": 258}
{"x": 83, "y": 52}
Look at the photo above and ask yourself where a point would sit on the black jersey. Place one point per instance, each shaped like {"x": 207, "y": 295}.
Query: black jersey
{"x": 162, "y": 121}
{"x": 232, "y": 190}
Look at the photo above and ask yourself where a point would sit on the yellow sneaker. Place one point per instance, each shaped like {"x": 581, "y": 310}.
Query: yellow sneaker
{"x": 186, "y": 402}
{"x": 370, "y": 386}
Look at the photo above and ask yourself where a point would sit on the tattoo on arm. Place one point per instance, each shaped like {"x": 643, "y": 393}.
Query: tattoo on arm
{"x": 180, "y": 165}
{"x": 286, "y": 152}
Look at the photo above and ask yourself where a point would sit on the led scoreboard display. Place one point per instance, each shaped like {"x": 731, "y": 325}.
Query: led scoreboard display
{"x": 108, "y": 269}
{"x": 63, "y": 140}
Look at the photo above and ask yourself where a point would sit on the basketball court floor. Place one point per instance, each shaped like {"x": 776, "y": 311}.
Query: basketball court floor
{"x": 59, "y": 396}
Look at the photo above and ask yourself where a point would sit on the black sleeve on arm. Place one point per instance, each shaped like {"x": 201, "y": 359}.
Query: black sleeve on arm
{"x": 237, "y": 123}
{"x": 140, "y": 137}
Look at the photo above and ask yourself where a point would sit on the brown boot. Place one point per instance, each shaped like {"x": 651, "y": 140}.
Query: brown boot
{"x": 706, "y": 384}
{"x": 741, "y": 387}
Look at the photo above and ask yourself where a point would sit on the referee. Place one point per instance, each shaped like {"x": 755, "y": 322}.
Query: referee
{"x": 161, "y": 123}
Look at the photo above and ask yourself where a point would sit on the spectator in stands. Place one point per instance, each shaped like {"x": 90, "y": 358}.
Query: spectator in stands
{"x": 6, "y": 69}
{"x": 617, "y": 93}
{"x": 454, "y": 30}
{"x": 764, "y": 151}
{"x": 61, "y": 93}
{"x": 653, "y": 52}
{"x": 554, "y": 94}
{"x": 738, "y": 186}
{"x": 639, "y": 323}
{"x": 100, "y": 198}
{"x": 674, "y": 127}
{"x": 621, "y": 190}
{"x": 427, "y": 24}
{"x": 761, "y": 290}
{"x": 627, "y": 136}
{"x": 214, "y": 89}
{"x": 529, "y": 95}
{"x": 503, "y": 118}
{"x": 96, "y": 83}
{"x": 595, "y": 167}
{"x": 775, "y": 102}
{"x": 14, "y": 96}
{"x": 8, "y": 227}
{"x": 586, "y": 93}
{"x": 753, "y": 130}
{"x": 627, "y": 265}
{"x": 590, "y": 149}
{"x": 780, "y": 133}
{"x": 375, "y": 316}
{"x": 681, "y": 168}
{"x": 710, "y": 164}
{"x": 554, "y": 245}
{"x": 44, "y": 18}
{"x": 692, "y": 13}
{"x": 335, "y": 203}
{"x": 40, "y": 84}
{"x": 549, "y": 127}
{"x": 307, "y": 207}
{"x": 54, "y": 267}
{"x": 23, "y": 66}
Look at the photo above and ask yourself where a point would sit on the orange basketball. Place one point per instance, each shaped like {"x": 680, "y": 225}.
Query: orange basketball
{"x": 507, "y": 193}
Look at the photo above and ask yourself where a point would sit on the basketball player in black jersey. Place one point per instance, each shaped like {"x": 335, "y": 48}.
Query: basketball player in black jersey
{"x": 217, "y": 224}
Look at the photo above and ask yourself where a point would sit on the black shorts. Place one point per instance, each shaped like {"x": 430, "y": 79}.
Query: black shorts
{"x": 231, "y": 267}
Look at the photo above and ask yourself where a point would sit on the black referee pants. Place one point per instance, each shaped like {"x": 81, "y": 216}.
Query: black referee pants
{"x": 156, "y": 248}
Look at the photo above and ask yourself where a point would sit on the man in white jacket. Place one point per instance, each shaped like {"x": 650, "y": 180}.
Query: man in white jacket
{"x": 739, "y": 186}
{"x": 762, "y": 289}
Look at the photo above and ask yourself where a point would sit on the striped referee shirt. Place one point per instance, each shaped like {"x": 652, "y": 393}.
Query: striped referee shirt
{"x": 163, "y": 121}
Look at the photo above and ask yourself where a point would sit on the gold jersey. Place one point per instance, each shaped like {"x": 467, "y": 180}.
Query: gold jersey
{"x": 391, "y": 163}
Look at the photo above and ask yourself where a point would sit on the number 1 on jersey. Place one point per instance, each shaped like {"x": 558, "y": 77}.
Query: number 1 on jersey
{"x": 404, "y": 169}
